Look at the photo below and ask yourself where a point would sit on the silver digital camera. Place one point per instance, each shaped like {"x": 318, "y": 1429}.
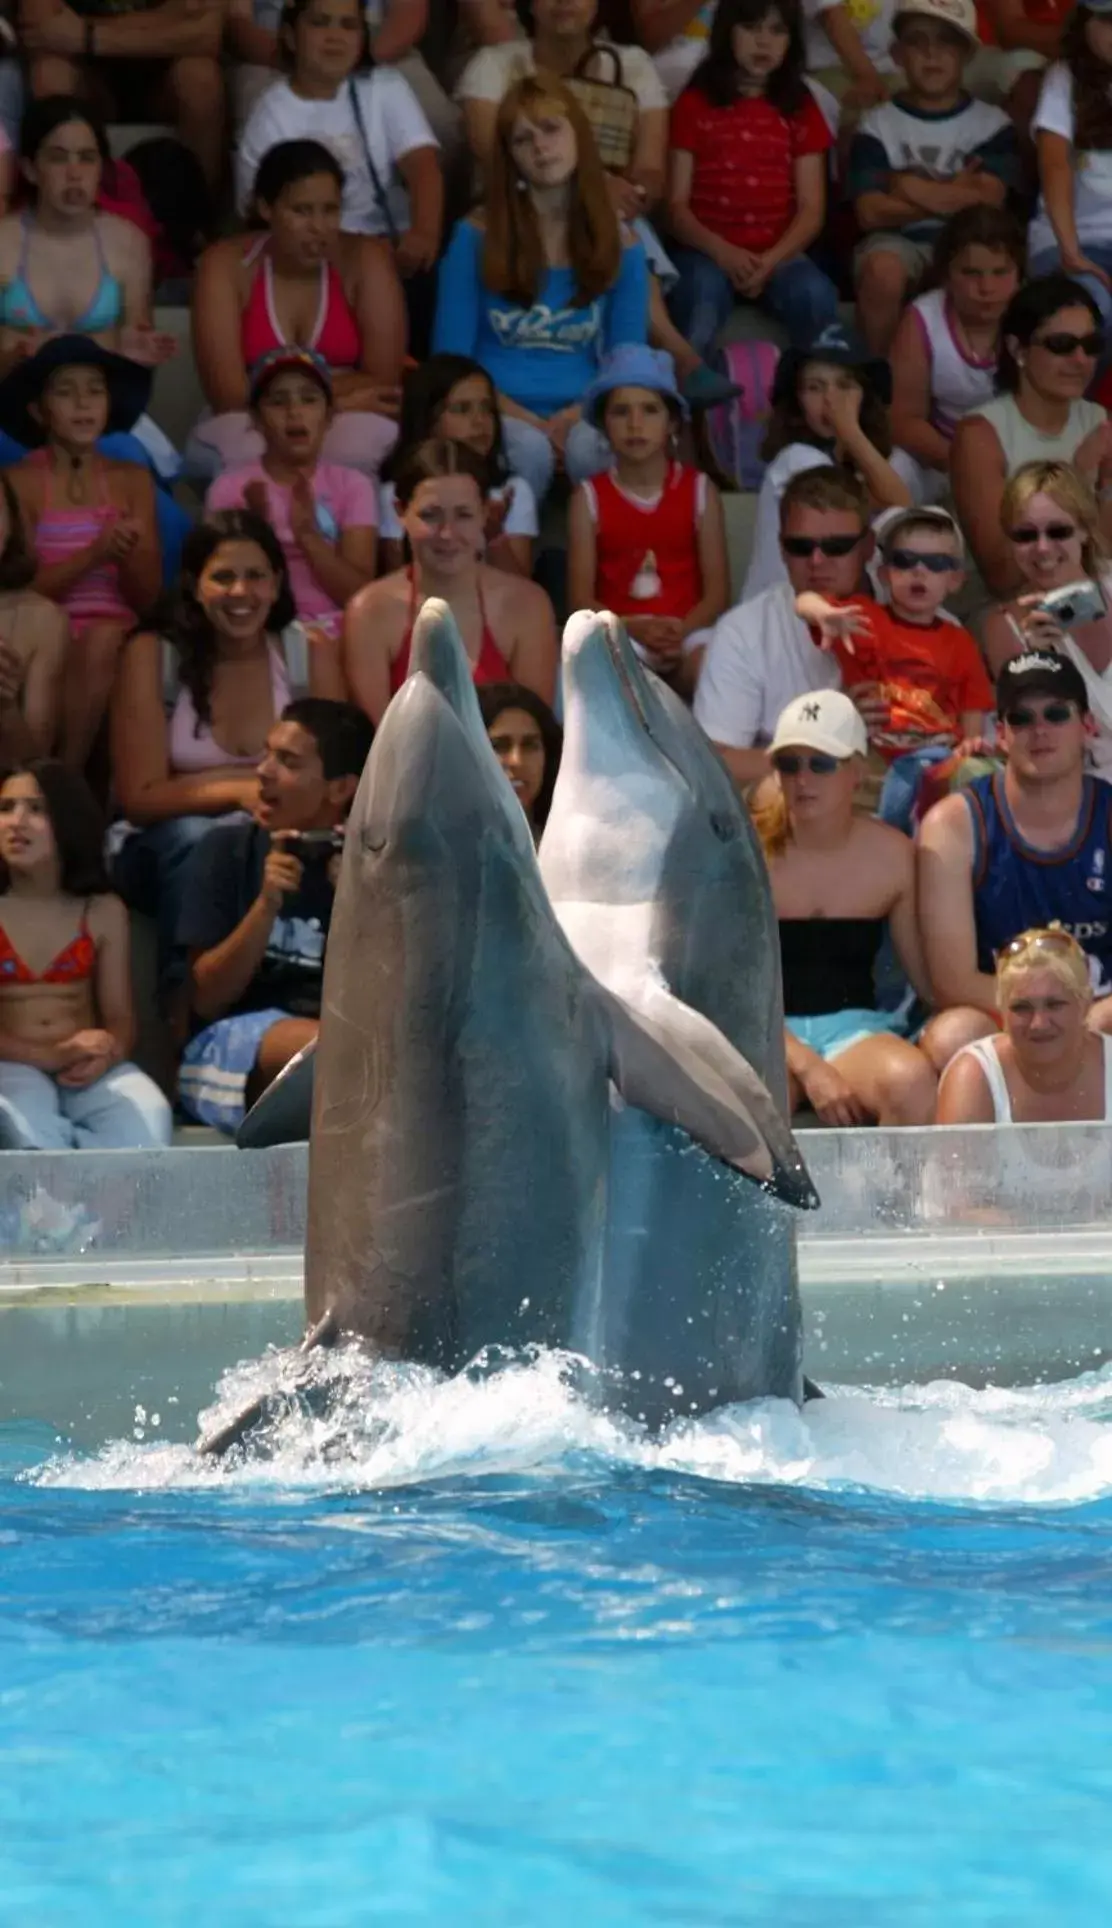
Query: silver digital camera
{"x": 1075, "y": 603}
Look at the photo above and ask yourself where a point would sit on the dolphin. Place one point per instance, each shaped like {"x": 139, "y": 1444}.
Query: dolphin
{"x": 657, "y": 877}
{"x": 459, "y": 1149}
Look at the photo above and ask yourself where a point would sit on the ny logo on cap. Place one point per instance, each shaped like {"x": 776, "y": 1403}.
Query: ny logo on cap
{"x": 810, "y": 712}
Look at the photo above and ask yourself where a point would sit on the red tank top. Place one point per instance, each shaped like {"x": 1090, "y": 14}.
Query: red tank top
{"x": 490, "y": 666}
{"x": 335, "y": 335}
{"x": 647, "y": 560}
{"x": 73, "y": 965}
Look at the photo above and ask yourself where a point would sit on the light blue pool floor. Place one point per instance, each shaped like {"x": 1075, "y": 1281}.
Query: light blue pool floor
{"x": 511, "y": 1666}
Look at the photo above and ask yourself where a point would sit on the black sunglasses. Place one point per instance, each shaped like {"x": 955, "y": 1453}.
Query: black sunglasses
{"x": 789, "y": 764}
{"x": 1054, "y": 531}
{"x": 1063, "y": 344}
{"x": 911, "y": 558}
{"x": 826, "y": 545}
{"x": 1021, "y": 718}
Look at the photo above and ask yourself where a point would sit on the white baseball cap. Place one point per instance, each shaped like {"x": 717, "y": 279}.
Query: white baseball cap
{"x": 959, "y": 14}
{"x": 825, "y": 720}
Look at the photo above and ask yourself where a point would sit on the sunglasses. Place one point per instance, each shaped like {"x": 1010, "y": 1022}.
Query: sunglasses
{"x": 790, "y": 765}
{"x": 1054, "y": 532}
{"x": 911, "y": 558}
{"x": 1053, "y": 938}
{"x": 1063, "y": 344}
{"x": 826, "y": 545}
{"x": 1021, "y": 718}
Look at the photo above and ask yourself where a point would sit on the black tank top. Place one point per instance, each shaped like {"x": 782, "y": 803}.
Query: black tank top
{"x": 828, "y": 963}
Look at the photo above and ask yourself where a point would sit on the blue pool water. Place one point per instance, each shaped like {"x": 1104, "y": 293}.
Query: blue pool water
{"x": 489, "y": 1658}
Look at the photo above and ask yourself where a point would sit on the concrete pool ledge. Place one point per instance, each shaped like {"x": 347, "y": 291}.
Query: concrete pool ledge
{"x": 982, "y": 1253}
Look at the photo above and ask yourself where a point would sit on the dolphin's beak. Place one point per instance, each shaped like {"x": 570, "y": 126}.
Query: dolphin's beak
{"x": 791, "y": 1182}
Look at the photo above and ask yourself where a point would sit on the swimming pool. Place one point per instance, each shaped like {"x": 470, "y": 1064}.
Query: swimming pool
{"x": 473, "y": 1652}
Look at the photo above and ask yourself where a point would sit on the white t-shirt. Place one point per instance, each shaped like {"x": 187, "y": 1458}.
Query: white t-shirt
{"x": 1092, "y": 192}
{"x": 521, "y": 516}
{"x": 493, "y": 71}
{"x": 873, "y": 21}
{"x": 759, "y": 658}
{"x": 394, "y": 123}
{"x": 766, "y": 564}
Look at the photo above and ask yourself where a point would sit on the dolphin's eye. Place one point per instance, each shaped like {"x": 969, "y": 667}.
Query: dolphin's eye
{"x": 725, "y": 829}
{"x": 371, "y": 841}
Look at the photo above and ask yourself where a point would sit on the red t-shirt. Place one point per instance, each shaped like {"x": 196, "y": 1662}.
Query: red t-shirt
{"x": 743, "y": 186}
{"x": 928, "y": 677}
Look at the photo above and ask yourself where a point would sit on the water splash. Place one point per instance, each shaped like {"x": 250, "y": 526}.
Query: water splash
{"x": 368, "y": 1425}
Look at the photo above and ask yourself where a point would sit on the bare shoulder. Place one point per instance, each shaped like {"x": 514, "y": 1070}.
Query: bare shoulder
{"x": 964, "y": 1097}
{"x": 947, "y": 827}
{"x": 107, "y": 917}
{"x": 122, "y": 239}
{"x": 381, "y": 601}
{"x": 515, "y": 595}
{"x": 886, "y": 850}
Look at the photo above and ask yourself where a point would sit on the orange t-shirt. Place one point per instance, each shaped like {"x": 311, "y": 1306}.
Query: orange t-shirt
{"x": 927, "y": 675}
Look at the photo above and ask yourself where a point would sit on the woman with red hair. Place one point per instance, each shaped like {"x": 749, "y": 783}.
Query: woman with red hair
{"x": 539, "y": 283}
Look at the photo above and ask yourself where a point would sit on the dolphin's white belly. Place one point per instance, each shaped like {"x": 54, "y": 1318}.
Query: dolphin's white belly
{"x": 615, "y": 942}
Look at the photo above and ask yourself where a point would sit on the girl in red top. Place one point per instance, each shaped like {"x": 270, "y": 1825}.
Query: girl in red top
{"x": 647, "y": 539}
{"x": 747, "y": 189}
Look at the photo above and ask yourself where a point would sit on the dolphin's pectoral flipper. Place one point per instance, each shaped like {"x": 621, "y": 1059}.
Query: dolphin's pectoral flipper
{"x": 325, "y": 1332}
{"x": 281, "y": 1116}
{"x": 678, "y": 1021}
{"x": 654, "y": 1066}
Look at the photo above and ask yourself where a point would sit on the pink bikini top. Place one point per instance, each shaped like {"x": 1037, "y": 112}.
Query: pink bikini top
{"x": 335, "y": 335}
{"x": 192, "y": 745}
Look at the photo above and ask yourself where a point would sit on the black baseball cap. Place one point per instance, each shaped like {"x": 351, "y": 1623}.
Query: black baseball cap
{"x": 1044, "y": 672}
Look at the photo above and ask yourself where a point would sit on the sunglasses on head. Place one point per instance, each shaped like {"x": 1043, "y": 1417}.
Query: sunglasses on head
{"x": 826, "y": 545}
{"x": 1053, "y": 938}
{"x": 1054, "y": 532}
{"x": 789, "y": 763}
{"x": 1022, "y": 718}
{"x": 911, "y": 558}
{"x": 1063, "y": 344}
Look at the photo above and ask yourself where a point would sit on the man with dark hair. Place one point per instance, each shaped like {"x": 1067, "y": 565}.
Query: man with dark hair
{"x": 256, "y": 910}
{"x": 1018, "y": 851}
{"x": 761, "y": 655}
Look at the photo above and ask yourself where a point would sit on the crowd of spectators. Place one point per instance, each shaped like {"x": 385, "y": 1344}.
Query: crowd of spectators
{"x": 463, "y": 280}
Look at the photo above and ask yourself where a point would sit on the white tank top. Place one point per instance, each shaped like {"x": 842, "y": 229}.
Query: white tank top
{"x": 958, "y": 383}
{"x": 985, "y": 1052}
{"x": 1022, "y": 443}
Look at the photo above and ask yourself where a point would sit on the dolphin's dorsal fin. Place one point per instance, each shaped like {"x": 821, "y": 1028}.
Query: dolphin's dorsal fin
{"x": 706, "y": 1088}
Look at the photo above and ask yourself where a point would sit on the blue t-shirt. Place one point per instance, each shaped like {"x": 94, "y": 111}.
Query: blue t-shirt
{"x": 1017, "y": 887}
{"x": 543, "y": 356}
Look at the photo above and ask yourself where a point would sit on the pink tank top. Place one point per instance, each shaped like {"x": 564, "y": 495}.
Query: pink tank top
{"x": 335, "y": 335}
{"x": 64, "y": 528}
{"x": 193, "y": 746}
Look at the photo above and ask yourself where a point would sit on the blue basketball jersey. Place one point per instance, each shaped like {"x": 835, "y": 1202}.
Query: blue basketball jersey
{"x": 1018, "y": 888}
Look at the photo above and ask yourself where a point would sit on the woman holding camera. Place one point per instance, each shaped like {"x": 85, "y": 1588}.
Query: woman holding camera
{"x": 1052, "y": 524}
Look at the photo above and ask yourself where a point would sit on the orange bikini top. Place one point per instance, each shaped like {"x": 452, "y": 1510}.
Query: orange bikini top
{"x": 73, "y": 965}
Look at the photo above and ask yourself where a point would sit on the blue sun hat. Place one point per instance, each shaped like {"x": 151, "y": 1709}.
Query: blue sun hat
{"x": 633, "y": 365}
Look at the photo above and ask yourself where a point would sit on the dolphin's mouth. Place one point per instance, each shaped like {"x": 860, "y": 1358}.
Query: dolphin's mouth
{"x": 633, "y": 686}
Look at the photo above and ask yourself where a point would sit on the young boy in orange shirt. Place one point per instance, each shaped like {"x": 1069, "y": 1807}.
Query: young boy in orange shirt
{"x": 915, "y": 674}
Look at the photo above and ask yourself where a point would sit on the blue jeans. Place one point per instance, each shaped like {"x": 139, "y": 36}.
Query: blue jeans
{"x": 149, "y": 872}
{"x": 529, "y": 454}
{"x": 1049, "y": 261}
{"x": 123, "y": 1111}
{"x": 797, "y": 294}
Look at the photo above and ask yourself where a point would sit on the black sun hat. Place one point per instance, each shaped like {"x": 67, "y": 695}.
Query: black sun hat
{"x": 841, "y": 348}
{"x": 129, "y": 386}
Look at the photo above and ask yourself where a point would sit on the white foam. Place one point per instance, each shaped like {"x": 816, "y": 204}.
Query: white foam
{"x": 385, "y": 1426}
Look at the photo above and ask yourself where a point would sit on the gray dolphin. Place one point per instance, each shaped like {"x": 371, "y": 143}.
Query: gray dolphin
{"x": 656, "y": 874}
